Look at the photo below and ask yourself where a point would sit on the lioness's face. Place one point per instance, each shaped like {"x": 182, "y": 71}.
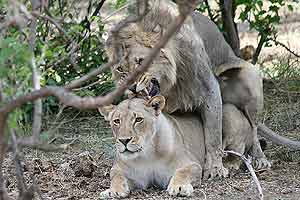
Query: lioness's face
{"x": 133, "y": 126}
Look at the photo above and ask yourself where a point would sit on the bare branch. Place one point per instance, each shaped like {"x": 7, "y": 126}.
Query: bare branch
{"x": 262, "y": 40}
{"x": 3, "y": 192}
{"x": 38, "y": 106}
{"x": 70, "y": 99}
{"x": 251, "y": 170}
{"x": 286, "y": 47}
{"x": 229, "y": 26}
{"x": 209, "y": 10}
{"x": 98, "y": 8}
{"x": 1, "y": 92}
{"x": 51, "y": 20}
{"x": 65, "y": 95}
{"x": 19, "y": 172}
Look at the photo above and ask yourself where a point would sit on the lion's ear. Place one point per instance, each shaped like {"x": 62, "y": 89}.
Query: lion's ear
{"x": 158, "y": 103}
{"x": 105, "y": 111}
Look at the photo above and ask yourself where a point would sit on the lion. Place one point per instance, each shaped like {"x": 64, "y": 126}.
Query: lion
{"x": 191, "y": 71}
{"x": 168, "y": 151}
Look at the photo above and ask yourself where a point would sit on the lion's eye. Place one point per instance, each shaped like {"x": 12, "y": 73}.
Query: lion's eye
{"x": 139, "y": 60}
{"x": 139, "y": 119}
{"x": 120, "y": 69}
{"x": 116, "y": 122}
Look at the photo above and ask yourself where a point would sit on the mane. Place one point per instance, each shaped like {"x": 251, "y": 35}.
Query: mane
{"x": 184, "y": 49}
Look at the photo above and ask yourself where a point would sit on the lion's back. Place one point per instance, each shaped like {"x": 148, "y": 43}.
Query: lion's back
{"x": 218, "y": 50}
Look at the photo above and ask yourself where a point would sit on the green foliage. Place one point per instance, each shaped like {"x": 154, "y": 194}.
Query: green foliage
{"x": 262, "y": 16}
{"x": 60, "y": 58}
{"x": 120, "y": 3}
{"x": 15, "y": 72}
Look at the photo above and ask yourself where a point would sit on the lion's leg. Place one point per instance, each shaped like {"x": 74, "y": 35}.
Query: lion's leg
{"x": 259, "y": 159}
{"x": 180, "y": 183}
{"x": 211, "y": 115}
{"x": 243, "y": 88}
{"x": 119, "y": 186}
{"x": 236, "y": 132}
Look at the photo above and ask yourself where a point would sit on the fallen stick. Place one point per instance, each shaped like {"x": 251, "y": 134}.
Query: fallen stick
{"x": 251, "y": 170}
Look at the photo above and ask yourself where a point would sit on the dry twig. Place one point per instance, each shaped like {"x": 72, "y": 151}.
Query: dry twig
{"x": 247, "y": 162}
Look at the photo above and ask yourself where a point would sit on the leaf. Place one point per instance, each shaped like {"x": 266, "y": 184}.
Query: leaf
{"x": 57, "y": 77}
{"x": 290, "y": 7}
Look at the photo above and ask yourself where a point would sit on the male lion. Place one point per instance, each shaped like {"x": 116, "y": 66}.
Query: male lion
{"x": 164, "y": 150}
{"x": 185, "y": 71}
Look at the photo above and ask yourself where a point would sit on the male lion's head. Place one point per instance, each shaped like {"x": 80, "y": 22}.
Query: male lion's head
{"x": 133, "y": 124}
{"x": 134, "y": 44}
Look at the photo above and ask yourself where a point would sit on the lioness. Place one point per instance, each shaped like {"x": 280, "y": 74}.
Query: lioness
{"x": 185, "y": 71}
{"x": 164, "y": 150}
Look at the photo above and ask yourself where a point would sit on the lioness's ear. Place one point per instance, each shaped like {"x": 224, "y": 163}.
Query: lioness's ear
{"x": 106, "y": 110}
{"x": 158, "y": 103}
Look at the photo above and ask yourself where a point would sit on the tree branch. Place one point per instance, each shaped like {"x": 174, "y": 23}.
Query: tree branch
{"x": 98, "y": 8}
{"x": 209, "y": 10}
{"x": 261, "y": 42}
{"x": 53, "y": 21}
{"x": 19, "y": 172}
{"x": 38, "y": 106}
{"x": 3, "y": 144}
{"x": 229, "y": 26}
{"x": 284, "y": 46}
{"x": 65, "y": 95}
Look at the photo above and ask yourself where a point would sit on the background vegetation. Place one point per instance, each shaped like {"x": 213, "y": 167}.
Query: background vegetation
{"x": 74, "y": 47}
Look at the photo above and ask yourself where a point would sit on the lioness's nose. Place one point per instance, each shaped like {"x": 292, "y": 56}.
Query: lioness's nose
{"x": 125, "y": 141}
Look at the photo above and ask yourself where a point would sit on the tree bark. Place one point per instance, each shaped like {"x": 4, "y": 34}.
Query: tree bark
{"x": 231, "y": 33}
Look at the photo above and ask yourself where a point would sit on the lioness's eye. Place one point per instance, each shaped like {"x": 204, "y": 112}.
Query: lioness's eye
{"x": 139, "y": 119}
{"x": 116, "y": 121}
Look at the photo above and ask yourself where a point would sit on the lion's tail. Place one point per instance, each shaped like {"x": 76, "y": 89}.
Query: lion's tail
{"x": 267, "y": 133}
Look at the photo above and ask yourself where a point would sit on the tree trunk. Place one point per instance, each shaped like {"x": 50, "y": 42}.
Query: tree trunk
{"x": 230, "y": 28}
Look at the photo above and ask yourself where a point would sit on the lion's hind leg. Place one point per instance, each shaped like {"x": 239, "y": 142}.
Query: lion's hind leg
{"x": 260, "y": 161}
{"x": 236, "y": 135}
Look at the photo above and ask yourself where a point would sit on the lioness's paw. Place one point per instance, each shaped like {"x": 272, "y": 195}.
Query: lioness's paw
{"x": 144, "y": 82}
{"x": 180, "y": 190}
{"x": 109, "y": 194}
{"x": 261, "y": 163}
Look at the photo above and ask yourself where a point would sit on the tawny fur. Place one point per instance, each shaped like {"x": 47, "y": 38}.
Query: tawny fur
{"x": 186, "y": 69}
{"x": 167, "y": 151}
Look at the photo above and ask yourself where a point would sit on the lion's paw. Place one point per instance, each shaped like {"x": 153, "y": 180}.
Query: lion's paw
{"x": 180, "y": 190}
{"x": 216, "y": 170}
{"x": 261, "y": 163}
{"x": 109, "y": 194}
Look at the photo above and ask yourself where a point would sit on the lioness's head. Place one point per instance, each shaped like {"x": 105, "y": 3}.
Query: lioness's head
{"x": 133, "y": 124}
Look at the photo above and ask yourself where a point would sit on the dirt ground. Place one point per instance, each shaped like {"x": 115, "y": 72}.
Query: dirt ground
{"x": 82, "y": 171}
